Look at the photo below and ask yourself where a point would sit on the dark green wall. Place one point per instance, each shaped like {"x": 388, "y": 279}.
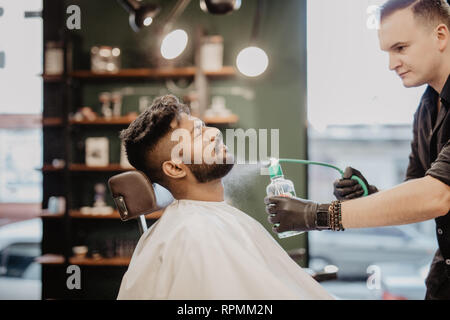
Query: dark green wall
{"x": 280, "y": 94}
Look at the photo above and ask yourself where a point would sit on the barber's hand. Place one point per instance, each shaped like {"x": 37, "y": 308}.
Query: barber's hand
{"x": 346, "y": 188}
{"x": 291, "y": 214}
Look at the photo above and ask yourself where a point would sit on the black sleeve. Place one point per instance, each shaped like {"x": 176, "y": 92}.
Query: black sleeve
{"x": 415, "y": 169}
{"x": 440, "y": 169}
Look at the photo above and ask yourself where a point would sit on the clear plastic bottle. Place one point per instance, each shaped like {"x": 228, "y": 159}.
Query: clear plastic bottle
{"x": 279, "y": 186}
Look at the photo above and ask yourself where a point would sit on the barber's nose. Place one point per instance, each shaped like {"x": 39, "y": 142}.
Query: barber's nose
{"x": 394, "y": 62}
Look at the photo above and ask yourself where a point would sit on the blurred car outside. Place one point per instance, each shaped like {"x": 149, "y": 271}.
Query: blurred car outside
{"x": 353, "y": 250}
{"x": 20, "y": 276}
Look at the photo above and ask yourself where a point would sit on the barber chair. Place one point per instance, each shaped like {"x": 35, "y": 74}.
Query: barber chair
{"x": 135, "y": 197}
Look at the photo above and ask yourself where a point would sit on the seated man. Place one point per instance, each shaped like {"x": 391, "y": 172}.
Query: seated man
{"x": 201, "y": 247}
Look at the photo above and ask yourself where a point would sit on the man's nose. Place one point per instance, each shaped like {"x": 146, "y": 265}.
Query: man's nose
{"x": 213, "y": 134}
{"x": 394, "y": 62}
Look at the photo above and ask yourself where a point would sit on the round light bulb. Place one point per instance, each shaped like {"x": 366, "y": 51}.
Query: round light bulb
{"x": 252, "y": 61}
{"x": 148, "y": 21}
{"x": 174, "y": 44}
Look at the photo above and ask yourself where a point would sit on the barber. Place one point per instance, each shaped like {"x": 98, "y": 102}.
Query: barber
{"x": 417, "y": 39}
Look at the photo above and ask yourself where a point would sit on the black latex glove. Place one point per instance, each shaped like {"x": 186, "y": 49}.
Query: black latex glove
{"x": 291, "y": 214}
{"x": 346, "y": 188}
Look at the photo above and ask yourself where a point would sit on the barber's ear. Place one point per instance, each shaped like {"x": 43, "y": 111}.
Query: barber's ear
{"x": 443, "y": 35}
{"x": 173, "y": 170}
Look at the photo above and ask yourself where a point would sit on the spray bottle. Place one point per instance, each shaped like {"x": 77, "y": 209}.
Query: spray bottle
{"x": 279, "y": 186}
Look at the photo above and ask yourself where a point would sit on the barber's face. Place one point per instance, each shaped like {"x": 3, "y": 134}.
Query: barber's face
{"x": 210, "y": 159}
{"x": 412, "y": 47}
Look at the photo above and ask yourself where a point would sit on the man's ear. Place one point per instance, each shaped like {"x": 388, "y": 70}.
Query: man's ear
{"x": 173, "y": 170}
{"x": 443, "y": 35}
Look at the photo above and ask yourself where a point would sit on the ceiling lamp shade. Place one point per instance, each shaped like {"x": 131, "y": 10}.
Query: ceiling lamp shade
{"x": 220, "y": 6}
{"x": 141, "y": 15}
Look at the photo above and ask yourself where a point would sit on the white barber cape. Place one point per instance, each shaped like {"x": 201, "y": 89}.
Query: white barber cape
{"x": 211, "y": 250}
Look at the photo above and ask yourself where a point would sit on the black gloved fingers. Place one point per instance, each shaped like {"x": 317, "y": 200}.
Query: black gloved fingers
{"x": 354, "y": 195}
{"x": 273, "y": 219}
{"x": 372, "y": 189}
{"x": 343, "y": 193}
{"x": 272, "y": 200}
{"x": 271, "y": 208}
{"x": 279, "y": 204}
{"x": 346, "y": 191}
{"x": 348, "y": 173}
{"x": 275, "y": 228}
{"x": 344, "y": 183}
{"x": 279, "y": 228}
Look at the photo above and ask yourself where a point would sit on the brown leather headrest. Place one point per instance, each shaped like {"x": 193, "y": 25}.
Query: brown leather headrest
{"x": 134, "y": 195}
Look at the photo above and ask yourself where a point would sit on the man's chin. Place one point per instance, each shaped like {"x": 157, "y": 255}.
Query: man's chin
{"x": 410, "y": 83}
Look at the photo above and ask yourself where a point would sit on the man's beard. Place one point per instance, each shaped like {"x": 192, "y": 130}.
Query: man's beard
{"x": 214, "y": 171}
{"x": 210, "y": 172}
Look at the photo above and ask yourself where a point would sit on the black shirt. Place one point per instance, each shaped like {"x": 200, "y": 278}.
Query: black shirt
{"x": 430, "y": 154}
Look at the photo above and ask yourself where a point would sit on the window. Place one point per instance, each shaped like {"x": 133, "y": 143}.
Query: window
{"x": 359, "y": 115}
{"x": 20, "y": 157}
{"x": 20, "y": 103}
{"x": 348, "y": 77}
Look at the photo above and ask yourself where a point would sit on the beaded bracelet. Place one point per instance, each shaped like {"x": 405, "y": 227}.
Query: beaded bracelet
{"x": 335, "y": 214}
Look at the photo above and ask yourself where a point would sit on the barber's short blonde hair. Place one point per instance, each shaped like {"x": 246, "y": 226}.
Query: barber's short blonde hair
{"x": 431, "y": 12}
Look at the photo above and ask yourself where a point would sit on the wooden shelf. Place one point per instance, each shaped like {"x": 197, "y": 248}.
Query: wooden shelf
{"x": 52, "y": 78}
{"x": 78, "y": 215}
{"x": 52, "y": 122}
{"x": 221, "y": 120}
{"x": 226, "y": 71}
{"x": 50, "y": 168}
{"x": 78, "y": 167}
{"x": 117, "y": 261}
{"x": 47, "y": 214}
{"x": 111, "y": 167}
{"x": 50, "y": 259}
{"x": 125, "y": 120}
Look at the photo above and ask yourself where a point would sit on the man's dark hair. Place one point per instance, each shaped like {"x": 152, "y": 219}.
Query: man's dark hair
{"x": 144, "y": 133}
{"x": 428, "y": 11}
